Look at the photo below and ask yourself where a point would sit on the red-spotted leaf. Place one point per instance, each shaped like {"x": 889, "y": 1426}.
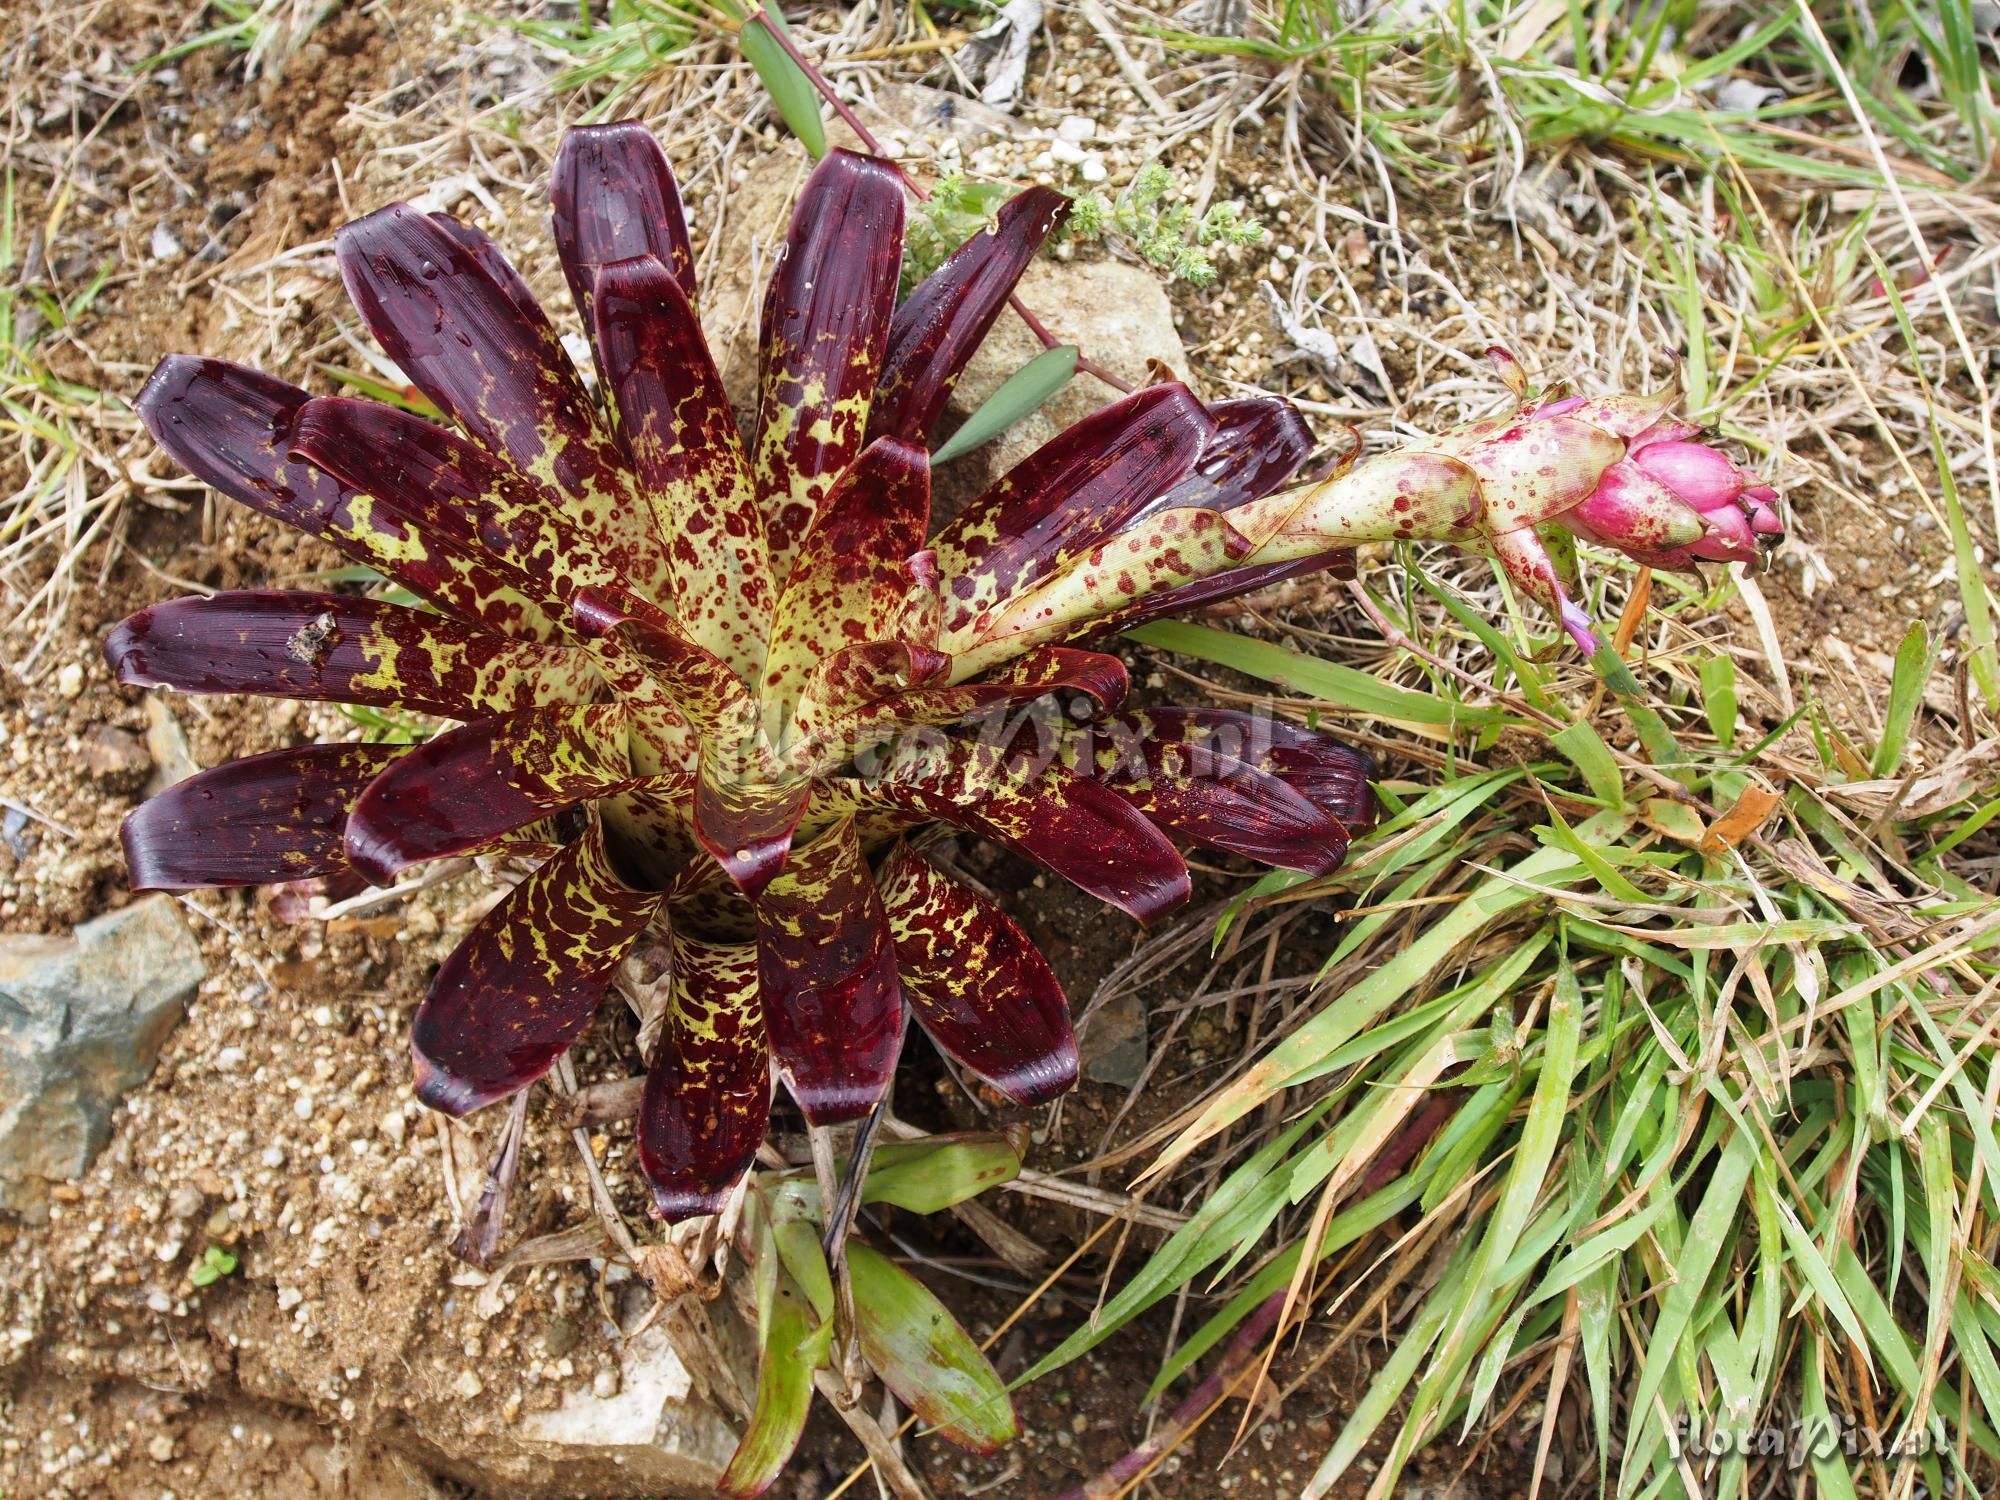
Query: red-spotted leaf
{"x": 708, "y": 1092}
{"x": 854, "y": 681}
{"x": 615, "y": 198}
{"x": 977, "y": 983}
{"x": 744, "y": 819}
{"x": 1329, "y": 774}
{"x": 826, "y": 322}
{"x": 256, "y": 821}
{"x": 1073, "y": 826}
{"x": 472, "y": 784}
{"x": 832, "y": 1005}
{"x": 1209, "y": 798}
{"x": 1052, "y": 669}
{"x": 448, "y": 488}
{"x": 501, "y": 372}
{"x": 848, "y": 585}
{"x": 701, "y": 685}
{"x": 524, "y": 983}
{"x": 335, "y": 648}
{"x": 943, "y": 322}
{"x": 234, "y": 428}
{"x": 922, "y": 1355}
{"x": 676, "y": 421}
{"x": 1163, "y": 551}
{"x": 1081, "y": 486}
{"x": 1231, "y": 583}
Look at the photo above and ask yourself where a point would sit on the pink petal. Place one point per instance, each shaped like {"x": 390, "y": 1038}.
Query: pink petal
{"x": 1697, "y": 473}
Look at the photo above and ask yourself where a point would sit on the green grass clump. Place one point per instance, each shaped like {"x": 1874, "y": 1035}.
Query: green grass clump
{"x": 1654, "y": 1073}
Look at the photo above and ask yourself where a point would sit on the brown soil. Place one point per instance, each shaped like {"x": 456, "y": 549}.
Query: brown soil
{"x": 279, "y": 1122}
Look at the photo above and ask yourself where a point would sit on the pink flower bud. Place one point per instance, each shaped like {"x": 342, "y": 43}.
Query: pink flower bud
{"x": 1695, "y": 472}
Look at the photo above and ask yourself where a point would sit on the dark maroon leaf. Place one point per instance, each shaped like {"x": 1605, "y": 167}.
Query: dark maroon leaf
{"x": 524, "y": 983}
{"x": 1329, "y": 774}
{"x": 615, "y": 198}
{"x": 267, "y": 818}
{"x": 1079, "y": 487}
{"x": 446, "y": 487}
{"x": 470, "y": 785}
{"x": 1013, "y": 792}
{"x": 708, "y": 1092}
{"x": 493, "y": 260}
{"x": 826, "y": 321}
{"x": 677, "y": 424}
{"x": 1258, "y": 444}
{"x": 976, "y": 982}
{"x": 237, "y": 429}
{"x": 832, "y": 1005}
{"x": 229, "y": 426}
{"x": 335, "y": 648}
{"x": 501, "y": 373}
{"x": 1192, "y": 789}
{"x": 942, "y": 323}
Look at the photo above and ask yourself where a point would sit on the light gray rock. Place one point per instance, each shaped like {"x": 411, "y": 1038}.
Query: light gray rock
{"x": 1112, "y": 1044}
{"x": 1120, "y": 317}
{"x": 650, "y": 1432}
{"x": 82, "y": 1019}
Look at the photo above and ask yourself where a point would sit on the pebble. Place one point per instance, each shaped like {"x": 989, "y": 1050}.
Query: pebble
{"x": 1076, "y": 128}
{"x": 69, "y": 681}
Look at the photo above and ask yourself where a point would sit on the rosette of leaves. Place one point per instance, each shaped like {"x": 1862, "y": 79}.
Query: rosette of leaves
{"x": 724, "y": 684}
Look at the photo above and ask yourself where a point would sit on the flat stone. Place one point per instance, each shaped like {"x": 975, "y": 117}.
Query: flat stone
{"x": 1117, "y": 314}
{"x": 652, "y": 1434}
{"x": 82, "y": 1020}
{"x": 1112, "y": 1043}
{"x": 117, "y": 756}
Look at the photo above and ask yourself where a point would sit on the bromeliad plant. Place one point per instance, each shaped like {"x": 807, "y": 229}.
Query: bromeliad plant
{"x": 727, "y": 684}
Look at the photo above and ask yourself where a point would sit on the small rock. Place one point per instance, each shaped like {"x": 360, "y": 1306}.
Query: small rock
{"x": 167, "y": 743}
{"x": 1112, "y": 1043}
{"x": 645, "y": 1424}
{"x": 1077, "y": 128}
{"x": 394, "y": 1126}
{"x": 116, "y": 755}
{"x": 85, "y": 1019}
{"x": 161, "y": 1449}
{"x": 468, "y": 1385}
{"x": 69, "y": 681}
{"x": 165, "y": 244}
